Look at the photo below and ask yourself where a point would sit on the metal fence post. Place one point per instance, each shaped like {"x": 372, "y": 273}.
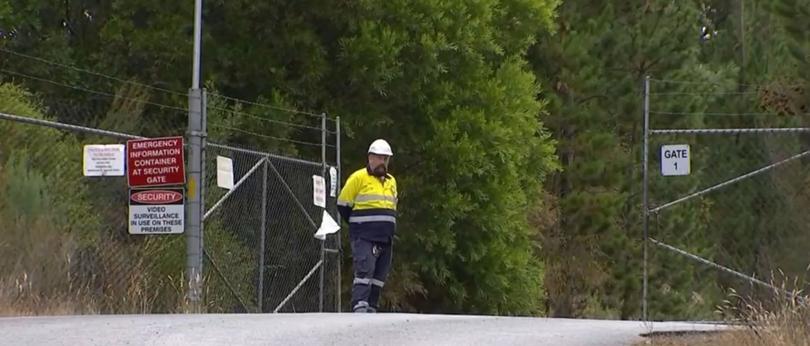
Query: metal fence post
{"x": 323, "y": 241}
{"x": 201, "y": 186}
{"x": 262, "y": 235}
{"x": 645, "y": 201}
{"x": 196, "y": 172}
{"x": 194, "y": 207}
{"x": 339, "y": 238}
{"x": 194, "y": 241}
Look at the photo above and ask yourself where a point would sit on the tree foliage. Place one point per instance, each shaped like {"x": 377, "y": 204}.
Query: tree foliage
{"x": 516, "y": 126}
{"x": 446, "y": 82}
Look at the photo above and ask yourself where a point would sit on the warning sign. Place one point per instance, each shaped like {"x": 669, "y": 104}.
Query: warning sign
{"x": 155, "y": 162}
{"x": 156, "y": 211}
{"x": 103, "y": 160}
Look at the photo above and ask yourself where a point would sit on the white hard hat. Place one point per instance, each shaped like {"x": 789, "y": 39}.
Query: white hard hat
{"x": 380, "y": 147}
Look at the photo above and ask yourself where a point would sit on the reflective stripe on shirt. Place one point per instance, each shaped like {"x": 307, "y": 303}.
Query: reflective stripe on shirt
{"x": 372, "y": 198}
{"x": 373, "y": 218}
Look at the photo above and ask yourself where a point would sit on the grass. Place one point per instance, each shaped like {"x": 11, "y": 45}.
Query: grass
{"x": 780, "y": 319}
{"x": 47, "y": 272}
{"x": 21, "y": 295}
{"x": 694, "y": 339}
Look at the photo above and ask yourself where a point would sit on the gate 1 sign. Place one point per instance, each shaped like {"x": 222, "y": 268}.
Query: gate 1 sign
{"x": 155, "y": 162}
{"x": 156, "y": 211}
{"x": 675, "y": 160}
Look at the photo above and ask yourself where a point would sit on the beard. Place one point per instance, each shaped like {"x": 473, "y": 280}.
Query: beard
{"x": 378, "y": 171}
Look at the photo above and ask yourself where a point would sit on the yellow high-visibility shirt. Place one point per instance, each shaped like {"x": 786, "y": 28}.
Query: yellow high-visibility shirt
{"x": 373, "y": 204}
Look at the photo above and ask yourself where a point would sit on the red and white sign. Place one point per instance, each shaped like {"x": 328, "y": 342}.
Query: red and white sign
{"x": 156, "y": 211}
{"x": 155, "y": 162}
{"x": 156, "y": 196}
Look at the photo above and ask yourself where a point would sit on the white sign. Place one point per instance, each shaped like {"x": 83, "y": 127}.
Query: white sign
{"x": 156, "y": 211}
{"x": 224, "y": 172}
{"x": 318, "y": 191}
{"x": 333, "y": 181}
{"x": 675, "y": 160}
{"x": 104, "y": 160}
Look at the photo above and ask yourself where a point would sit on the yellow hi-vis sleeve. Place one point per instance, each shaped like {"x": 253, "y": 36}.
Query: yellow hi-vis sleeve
{"x": 349, "y": 192}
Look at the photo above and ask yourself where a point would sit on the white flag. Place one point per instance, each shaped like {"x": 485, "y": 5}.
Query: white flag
{"x": 328, "y": 226}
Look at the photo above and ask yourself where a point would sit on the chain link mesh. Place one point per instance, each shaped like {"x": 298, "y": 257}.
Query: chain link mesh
{"x": 65, "y": 246}
{"x": 64, "y": 237}
{"x": 288, "y": 251}
{"x": 271, "y": 215}
{"x": 741, "y": 210}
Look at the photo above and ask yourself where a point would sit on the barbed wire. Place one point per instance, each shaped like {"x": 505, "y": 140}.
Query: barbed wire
{"x": 254, "y": 116}
{"x": 704, "y": 93}
{"x": 74, "y": 87}
{"x": 67, "y": 127}
{"x": 263, "y": 105}
{"x": 723, "y": 114}
{"x": 672, "y": 81}
{"x": 235, "y": 129}
{"x": 78, "y": 69}
{"x": 169, "y": 91}
{"x": 770, "y": 130}
{"x": 173, "y": 92}
{"x": 183, "y": 110}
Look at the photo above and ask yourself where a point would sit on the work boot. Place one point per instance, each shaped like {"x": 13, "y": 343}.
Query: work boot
{"x": 361, "y": 306}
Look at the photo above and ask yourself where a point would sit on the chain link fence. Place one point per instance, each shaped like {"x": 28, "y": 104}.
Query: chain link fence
{"x": 734, "y": 223}
{"x": 64, "y": 241}
{"x": 273, "y": 196}
{"x": 270, "y": 221}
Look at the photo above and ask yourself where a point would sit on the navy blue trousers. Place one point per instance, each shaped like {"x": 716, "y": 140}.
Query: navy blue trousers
{"x": 372, "y": 262}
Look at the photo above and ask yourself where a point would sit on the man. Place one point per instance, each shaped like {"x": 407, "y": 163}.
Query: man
{"x": 368, "y": 202}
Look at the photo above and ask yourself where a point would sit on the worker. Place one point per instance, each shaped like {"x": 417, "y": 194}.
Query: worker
{"x": 368, "y": 202}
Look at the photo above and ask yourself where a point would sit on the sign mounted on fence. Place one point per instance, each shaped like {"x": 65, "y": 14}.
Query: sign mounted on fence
{"x": 103, "y": 160}
{"x": 675, "y": 160}
{"x": 156, "y": 211}
{"x": 224, "y": 172}
{"x": 155, "y": 162}
{"x": 333, "y": 182}
{"x": 319, "y": 191}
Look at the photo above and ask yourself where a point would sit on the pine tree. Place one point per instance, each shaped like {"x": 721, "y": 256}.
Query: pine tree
{"x": 595, "y": 67}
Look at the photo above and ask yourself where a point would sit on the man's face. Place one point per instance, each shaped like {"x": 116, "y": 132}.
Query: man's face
{"x": 378, "y": 164}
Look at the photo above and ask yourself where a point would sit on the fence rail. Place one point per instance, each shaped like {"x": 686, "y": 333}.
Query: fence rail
{"x": 744, "y": 196}
{"x": 258, "y": 239}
